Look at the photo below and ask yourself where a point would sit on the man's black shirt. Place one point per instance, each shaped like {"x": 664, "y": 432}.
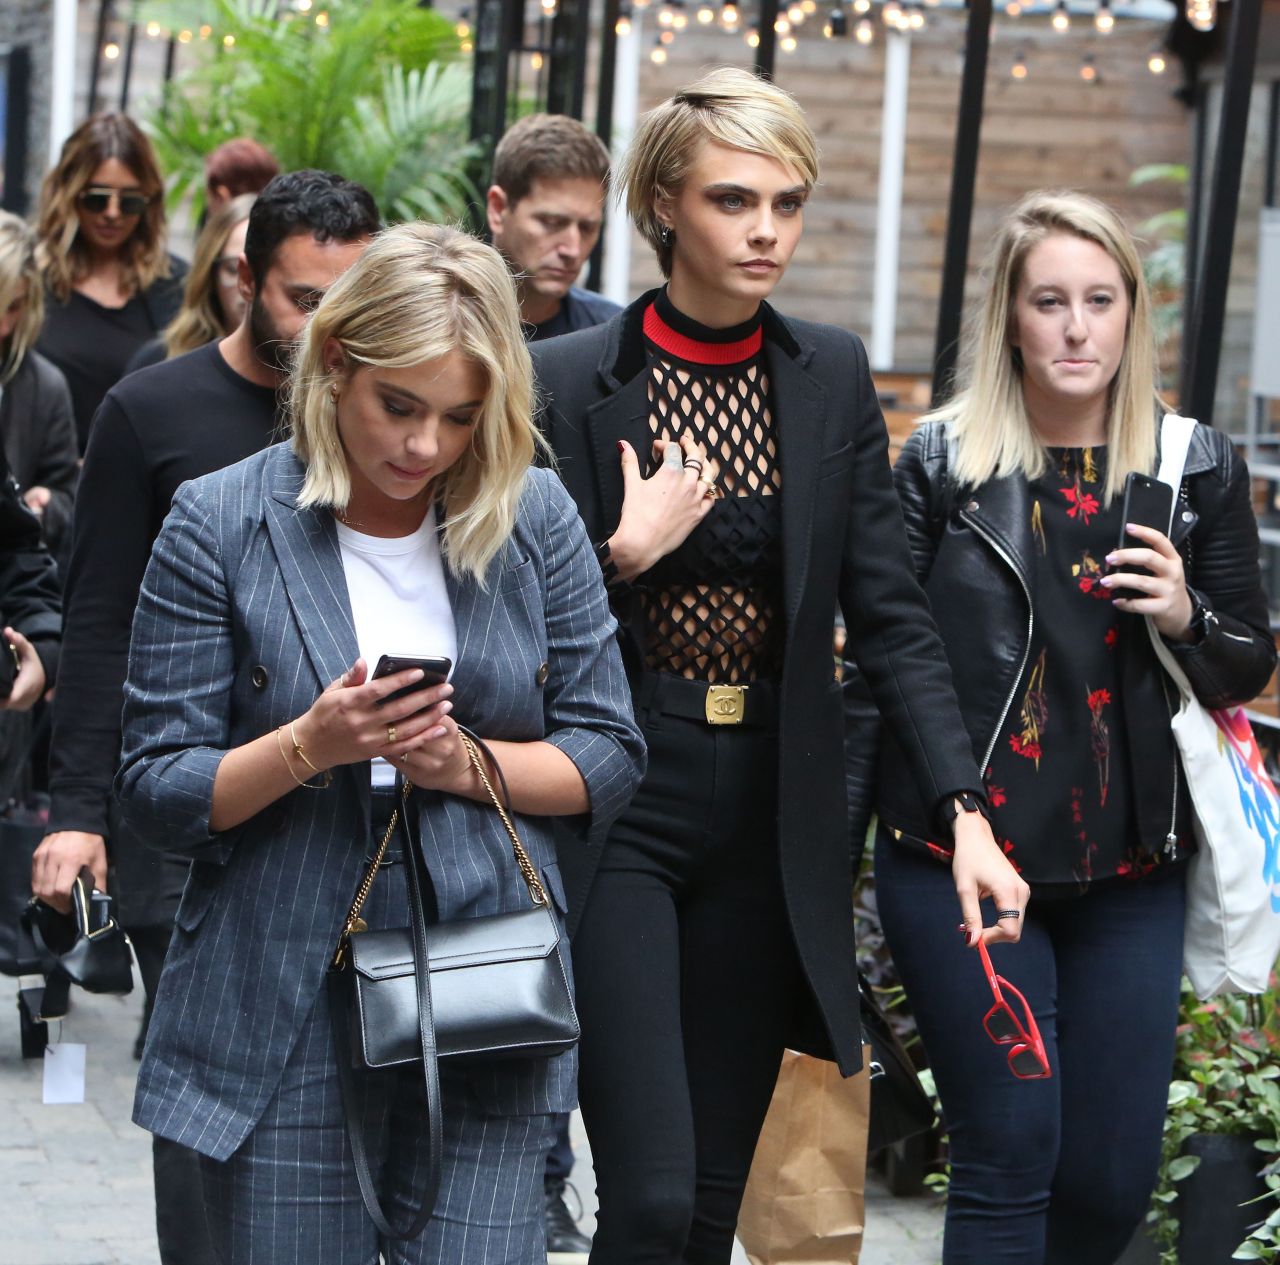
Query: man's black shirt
{"x": 154, "y": 430}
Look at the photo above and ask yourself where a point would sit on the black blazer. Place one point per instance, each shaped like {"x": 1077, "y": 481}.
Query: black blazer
{"x": 843, "y": 544}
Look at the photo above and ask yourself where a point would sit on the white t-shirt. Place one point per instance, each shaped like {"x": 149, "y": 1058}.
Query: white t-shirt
{"x": 398, "y": 600}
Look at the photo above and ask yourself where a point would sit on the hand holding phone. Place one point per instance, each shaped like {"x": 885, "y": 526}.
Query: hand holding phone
{"x": 435, "y": 671}
{"x": 1148, "y": 503}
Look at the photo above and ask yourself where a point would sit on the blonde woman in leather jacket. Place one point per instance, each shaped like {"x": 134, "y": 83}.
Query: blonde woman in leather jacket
{"x": 1013, "y": 496}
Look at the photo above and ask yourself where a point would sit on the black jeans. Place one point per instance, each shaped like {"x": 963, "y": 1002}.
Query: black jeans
{"x": 1058, "y": 1171}
{"x": 687, "y": 982}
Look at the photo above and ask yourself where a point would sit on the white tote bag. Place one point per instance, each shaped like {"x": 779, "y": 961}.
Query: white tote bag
{"x": 1233, "y": 881}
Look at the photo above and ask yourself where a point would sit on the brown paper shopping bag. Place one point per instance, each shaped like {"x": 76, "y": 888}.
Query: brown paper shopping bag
{"x": 804, "y": 1202}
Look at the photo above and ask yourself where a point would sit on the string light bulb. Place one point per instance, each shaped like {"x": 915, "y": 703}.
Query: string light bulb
{"x": 1202, "y": 14}
{"x": 228, "y": 41}
{"x": 1104, "y": 20}
{"x": 659, "y": 55}
{"x": 322, "y": 19}
{"x": 795, "y": 15}
{"x": 153, "y": 29}
{"x": 782, "y": 26}
{"x": 1019, "y": 68}
{"x": 679, "y": 20}
{"x": 622, "y": 27}
{"x": 1156, "y": 63}
{"x": 729, "y": 16}
{"x": 1013, "y": 9}
{"x": 549, "y": 8}
{"x": 753, "y": 38}
{"x": 891, "y": 13}
{"x": 1088, "y": 71}
{"x": 787, "y": 43}
{"x": 706, "y": 14}
{"x": 865, "y": 31}
{"x": 304, "y": 6}
{"x": 862, "y": 6}
{"x": 111, "y": 50}
{"x": 666, "y": 37}
{"x": 1061, "y": 20}
{"x": 184, "y": 37}
{"x": 915, "y": 18}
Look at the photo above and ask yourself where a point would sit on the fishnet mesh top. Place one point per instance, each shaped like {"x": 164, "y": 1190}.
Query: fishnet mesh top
{"x": 712, "y": 609}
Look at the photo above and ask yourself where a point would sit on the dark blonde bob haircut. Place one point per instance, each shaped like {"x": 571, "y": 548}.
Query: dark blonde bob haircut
{"x": 418, "y": 293}
{"x": 728, "y": 105}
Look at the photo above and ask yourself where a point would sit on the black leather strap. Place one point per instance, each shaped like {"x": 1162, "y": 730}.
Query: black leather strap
{"x": 339, "y": 1002}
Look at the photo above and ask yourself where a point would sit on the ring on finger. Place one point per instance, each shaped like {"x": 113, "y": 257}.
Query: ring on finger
{"x": 1008, "y": 913}
{"x": 391, "y": 734}
{"x": 692, "y": 463}
{"x": 709, "y": 487}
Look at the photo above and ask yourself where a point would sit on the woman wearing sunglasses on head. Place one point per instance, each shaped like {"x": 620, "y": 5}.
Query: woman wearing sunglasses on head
{"x": 1014, "y": 496}
{"x": 212, "y": 304}
{"x": 731, "y": 465}
{"x": 111, "y": 283}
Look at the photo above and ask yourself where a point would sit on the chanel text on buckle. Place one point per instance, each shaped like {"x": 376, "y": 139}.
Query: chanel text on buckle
{"x": 726, "y": 704}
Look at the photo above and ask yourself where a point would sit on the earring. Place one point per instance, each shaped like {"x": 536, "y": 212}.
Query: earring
{"x": 333, "y": 392}
{"x": 664, "y": 234}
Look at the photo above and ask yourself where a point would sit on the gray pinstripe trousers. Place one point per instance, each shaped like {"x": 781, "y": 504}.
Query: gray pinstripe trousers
{"x": 289, "y": 1194}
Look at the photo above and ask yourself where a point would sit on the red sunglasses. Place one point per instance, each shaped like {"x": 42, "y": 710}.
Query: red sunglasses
{"x": 1027, "y": 1058}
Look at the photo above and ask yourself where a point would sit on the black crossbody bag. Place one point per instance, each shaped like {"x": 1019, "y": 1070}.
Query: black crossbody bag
{"x": 493, "y": 987}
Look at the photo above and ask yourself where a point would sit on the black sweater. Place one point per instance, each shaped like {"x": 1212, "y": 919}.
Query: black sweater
{"x": 155, "y": 430}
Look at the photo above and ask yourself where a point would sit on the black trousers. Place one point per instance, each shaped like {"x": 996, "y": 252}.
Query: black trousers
{"x": 687, "y": 983}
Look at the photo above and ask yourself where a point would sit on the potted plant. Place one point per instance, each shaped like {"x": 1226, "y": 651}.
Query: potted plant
{"x": 1218, "y": 1195}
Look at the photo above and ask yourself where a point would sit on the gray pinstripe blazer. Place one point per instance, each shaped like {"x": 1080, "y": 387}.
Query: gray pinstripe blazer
{"x": 243, "y": 618}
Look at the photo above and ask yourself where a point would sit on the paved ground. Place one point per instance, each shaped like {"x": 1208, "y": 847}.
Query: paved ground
{"x": 77, "y": 1179}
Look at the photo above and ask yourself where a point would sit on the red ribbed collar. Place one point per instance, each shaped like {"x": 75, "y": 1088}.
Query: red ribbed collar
{"x": 695, "y": 350}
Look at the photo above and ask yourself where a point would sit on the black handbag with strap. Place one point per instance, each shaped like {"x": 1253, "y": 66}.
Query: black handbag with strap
{"x": 899, "y": 1106}
{"x": 493, "y": 987}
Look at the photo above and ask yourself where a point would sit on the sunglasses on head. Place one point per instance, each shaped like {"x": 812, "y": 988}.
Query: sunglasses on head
{"x": 95, "y": 200}
{"x": 1016, "y": 1029}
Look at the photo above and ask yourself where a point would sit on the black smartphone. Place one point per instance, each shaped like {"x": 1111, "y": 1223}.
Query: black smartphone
{"x": 1149, "y": 503}
{"x": 435, "y": 671}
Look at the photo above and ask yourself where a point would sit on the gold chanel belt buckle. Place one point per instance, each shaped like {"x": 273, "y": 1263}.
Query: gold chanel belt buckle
{"x": 726, "y": 704}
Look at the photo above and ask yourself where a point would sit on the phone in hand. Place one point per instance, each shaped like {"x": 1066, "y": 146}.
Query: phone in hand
{"x": 435, "y": 671}
{"x": 1149, "y": 503}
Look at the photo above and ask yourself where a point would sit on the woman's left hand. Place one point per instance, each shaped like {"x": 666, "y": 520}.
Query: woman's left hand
{"x": 440, "y": 762}
{"x": 29, "y": 682}
{"x": 1160, "y": 580}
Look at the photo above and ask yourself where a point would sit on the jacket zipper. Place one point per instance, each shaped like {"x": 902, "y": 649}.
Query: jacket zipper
{"x": 1026, "y": 652}
{"x": 1171, "y": 839}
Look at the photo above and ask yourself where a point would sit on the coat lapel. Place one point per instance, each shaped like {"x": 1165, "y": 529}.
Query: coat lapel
{"x": 800, "y": 410}
{"x": 624, "y": 414}
{"x": 306, "y": 546}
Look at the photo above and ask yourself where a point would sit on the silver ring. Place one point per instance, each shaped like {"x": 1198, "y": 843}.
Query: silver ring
{"x": 1008, "y": 913}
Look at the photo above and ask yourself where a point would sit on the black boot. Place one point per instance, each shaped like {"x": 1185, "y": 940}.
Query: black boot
{"x": 566, "y": 1244}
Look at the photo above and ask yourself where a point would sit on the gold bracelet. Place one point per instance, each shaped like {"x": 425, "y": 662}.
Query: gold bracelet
{"x": 284, "y": 756}
{"x": 302, "y": 755}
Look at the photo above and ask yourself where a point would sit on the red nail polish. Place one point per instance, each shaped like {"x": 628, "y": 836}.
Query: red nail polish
{"x": 621, "y": 446}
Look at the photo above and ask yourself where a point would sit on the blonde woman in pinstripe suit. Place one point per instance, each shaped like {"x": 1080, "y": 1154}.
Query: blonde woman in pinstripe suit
{"x": 405, "y": 507}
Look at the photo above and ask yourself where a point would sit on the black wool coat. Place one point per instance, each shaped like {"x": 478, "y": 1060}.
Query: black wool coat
{"x": 844, "y": 545}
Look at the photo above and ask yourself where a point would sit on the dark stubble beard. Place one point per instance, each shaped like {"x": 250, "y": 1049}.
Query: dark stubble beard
{"x": 270, "y": 348}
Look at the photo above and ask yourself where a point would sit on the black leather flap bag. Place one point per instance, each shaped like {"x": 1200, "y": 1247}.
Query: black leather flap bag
{"x": 488, "y": 988}
{"x": 899, "y": 1106}
{"x": 497, "y": 990}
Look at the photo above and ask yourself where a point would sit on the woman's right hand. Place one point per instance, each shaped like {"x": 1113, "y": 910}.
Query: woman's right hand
{"x": 349, "y": 722}
{"x": 659, "y": 512}
{"x": 980, "y": 871}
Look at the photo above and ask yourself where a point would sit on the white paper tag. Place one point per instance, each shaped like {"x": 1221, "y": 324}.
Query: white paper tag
{"x": 64, "y": 1073}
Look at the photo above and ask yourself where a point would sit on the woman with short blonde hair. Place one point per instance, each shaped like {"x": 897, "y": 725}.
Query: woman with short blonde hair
{"x": 403, "y": 521}
{"x": 730, "y": 464}
{"x": 111, "y": 283}
{"x": 1014, "y": 493}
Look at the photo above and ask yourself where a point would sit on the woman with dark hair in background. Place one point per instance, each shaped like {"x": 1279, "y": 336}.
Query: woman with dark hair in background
{"x": 111, "y": 285}
{"x": 212, "y": 304}
{"x": 237, "y": 167}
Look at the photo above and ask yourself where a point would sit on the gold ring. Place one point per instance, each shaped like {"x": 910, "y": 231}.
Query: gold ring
{"x": 710, "y": 487}
{"x": 391, "y": 734}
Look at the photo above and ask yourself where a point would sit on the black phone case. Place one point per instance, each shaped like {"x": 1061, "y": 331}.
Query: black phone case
{"x": 1149, "y": 503}
{"x": 398, "y": 662}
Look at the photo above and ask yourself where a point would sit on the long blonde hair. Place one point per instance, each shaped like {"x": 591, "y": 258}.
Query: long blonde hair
{"x": 419, "y": 292}
{"x": 18, "y": 264}
{"x": 988, "y": 412}
{"x": 62, "y": 253}
{"x": 199, "y": 319}
{"x": 728, "y": 105}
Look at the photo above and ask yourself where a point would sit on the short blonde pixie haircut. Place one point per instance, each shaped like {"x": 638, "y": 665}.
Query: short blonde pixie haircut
{"x": 18, "y": 264}
{"x": 728, "y": 105}
{"x": 993, "y": 432}
{"x": 418, "y": 293}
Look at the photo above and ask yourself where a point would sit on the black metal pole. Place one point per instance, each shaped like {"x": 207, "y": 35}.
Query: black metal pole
{"x": 17, "y": 116}
{"x": 1272, "y": 157}
{"x": 1195, "y": 216}
{"x": 1205, "y": 334}
{"x": 568, "y": 70}
{"x": 767, "y": 49}
{"x": 605, "y": 78}
{"x": 129, "y": 43}
{"x": 170, "y": 56}
{"x": 95, "y": 65}
{"x": 964, "y": 174}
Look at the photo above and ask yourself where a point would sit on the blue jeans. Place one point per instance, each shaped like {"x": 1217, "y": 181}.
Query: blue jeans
{"x": 1057, "y": 1171}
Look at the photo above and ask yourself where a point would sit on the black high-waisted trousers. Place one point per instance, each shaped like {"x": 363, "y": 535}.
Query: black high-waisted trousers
{"x": 687, "y": 982}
